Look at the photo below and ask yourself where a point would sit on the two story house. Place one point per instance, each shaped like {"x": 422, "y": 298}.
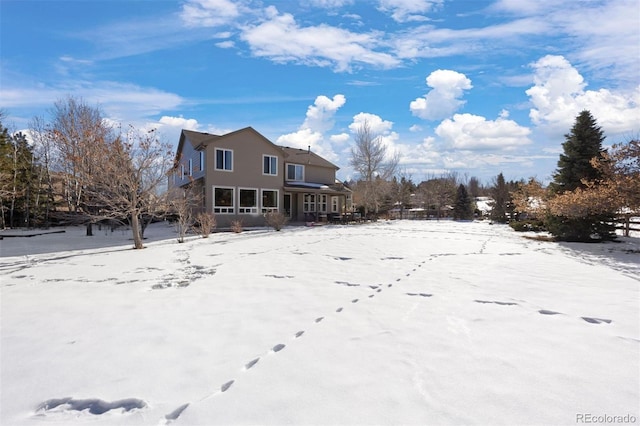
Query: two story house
{"x": 242, "y": 176}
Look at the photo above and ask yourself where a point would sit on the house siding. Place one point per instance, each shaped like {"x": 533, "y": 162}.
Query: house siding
{"x": 248, "y": 149}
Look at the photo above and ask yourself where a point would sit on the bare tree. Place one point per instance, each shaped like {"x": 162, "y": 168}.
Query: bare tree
{"x": 438, "y": 192}
{"x": 127, "y": 182}
{"x": 79, "y": 134}
{"x": 183, "y": 202}
{"x": 43, "y": 148}
{"x": 373, "y": 163}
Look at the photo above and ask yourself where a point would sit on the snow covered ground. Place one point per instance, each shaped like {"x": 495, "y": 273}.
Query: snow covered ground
{"x": 401, "y": 322}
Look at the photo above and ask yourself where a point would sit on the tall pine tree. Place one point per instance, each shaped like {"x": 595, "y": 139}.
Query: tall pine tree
{"x": 501, "y": 198}
{"x": 582, "y": 144}
{"x": 463, "y": 207}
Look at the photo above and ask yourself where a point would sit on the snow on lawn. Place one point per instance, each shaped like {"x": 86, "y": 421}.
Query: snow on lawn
{"x": 403, "y": 322}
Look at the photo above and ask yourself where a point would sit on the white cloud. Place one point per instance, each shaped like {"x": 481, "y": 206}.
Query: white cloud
{"x": 320, "y": 114}
{"x": 444, "y": 98}
{"x": 180, "y": 122}
{"x": 378, "y": 127}
{"x": 318, "y": 121}
{"x": 227, "y": 44}
{"x": 408, "y": 10}
{"x": 602, "y": 36}
{"x": 473, "y": 132}
{"x": 282, "y": 40}
{"x": 330, "y": 4}
{"x": 209, "y": 13}
{"x": 415, "y": 128}
{"x": 559, "y": 94}
{"x": 340, "y": 139}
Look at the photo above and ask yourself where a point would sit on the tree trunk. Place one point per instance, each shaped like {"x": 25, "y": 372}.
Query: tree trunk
{"x": 89, "y": 229}
{"x": 135, "y": 228}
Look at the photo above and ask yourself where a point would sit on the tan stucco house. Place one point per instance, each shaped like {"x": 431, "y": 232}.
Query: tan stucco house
{"x": 242, "y": 175}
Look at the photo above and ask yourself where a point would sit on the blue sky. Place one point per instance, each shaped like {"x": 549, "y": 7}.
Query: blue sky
{"x": 475, "y": 87}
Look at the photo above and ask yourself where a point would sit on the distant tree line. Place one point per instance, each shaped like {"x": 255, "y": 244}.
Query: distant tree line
{"x": 590, "y": 187}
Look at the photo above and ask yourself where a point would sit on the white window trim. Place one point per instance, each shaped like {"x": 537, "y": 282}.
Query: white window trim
{"x": 310, "y": 206}
{"x": 248, "y": 210}
{"x": 201, "y": 161}
{"x": 287, "y": 172}
{"x": 335, "y": 204}
{"x": 215, "y": 159}
{"x": 190, "y": 167}
{"x": 276, "y": 170}
{"x": 270, "y": 209}
{"x": 182, "y": 171}
{"x": 224, "y": 209}
{"x": 322, "y": 203}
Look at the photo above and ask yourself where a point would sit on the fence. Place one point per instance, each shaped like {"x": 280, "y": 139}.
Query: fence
{"x": 628, "y": 222}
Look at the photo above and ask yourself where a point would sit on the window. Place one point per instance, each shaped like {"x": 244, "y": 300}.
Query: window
{"x": 182, "y": 172}
{"x": 190, "y": 167}
{"x": 248, "y": 201}
{"x": 295, "y": 172}
{"x": 201, "y": 160}
{"x": 322, "y": 203}
{"x": 309, "y": 203}
{"x": 269, "y": 200}
{"x": 269, "y": 165}
{"x": 223, "y": 200}
{"x": 334, "y": 205}
{"x": 224, "y": 159}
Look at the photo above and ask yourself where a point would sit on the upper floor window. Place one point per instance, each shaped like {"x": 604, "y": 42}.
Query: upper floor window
{"x": 295, "y": 172}
{"x": 182, "y": 171}
{"x": 269, "y": 165}
{"x": 224, "y": 159}
{"x": 201, "y": 160}
{"x": 190, "y": 167}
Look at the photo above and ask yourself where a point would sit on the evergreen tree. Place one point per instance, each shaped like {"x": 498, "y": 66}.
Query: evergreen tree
{"x": 463, "y": 207}
{"x": 501, "y": 200}
{"x": 581, "y": 145}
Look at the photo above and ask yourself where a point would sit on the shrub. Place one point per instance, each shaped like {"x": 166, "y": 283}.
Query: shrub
{"x": 205, "y": 223}
{"x": 236, "y": 226}
{"x": 276, "y": 220}
{"x": 533, "y": 225}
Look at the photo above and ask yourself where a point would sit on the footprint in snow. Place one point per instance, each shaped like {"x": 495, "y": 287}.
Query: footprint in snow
{"x": 419, "y": 294}
{"x": 319, "y": 319}
{"x": 339, "y": 310}
{"x": 371, "y": 295}
{"x": 251, "y": 363}
{"x": 176, "y": 413}
{"x": 278, "y": 347}
{"x": 226, "y": 386}
{"x": 547, "y": 312}
{"x": 497, "y": 303}
{"x": 299, "y": 333}
{"x": 596, "y": 320}
{"x": 354, "y": 301}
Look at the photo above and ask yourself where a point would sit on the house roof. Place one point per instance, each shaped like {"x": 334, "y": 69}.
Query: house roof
{"x": 306, "y": 156}
{"x": 293, "y": 155}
